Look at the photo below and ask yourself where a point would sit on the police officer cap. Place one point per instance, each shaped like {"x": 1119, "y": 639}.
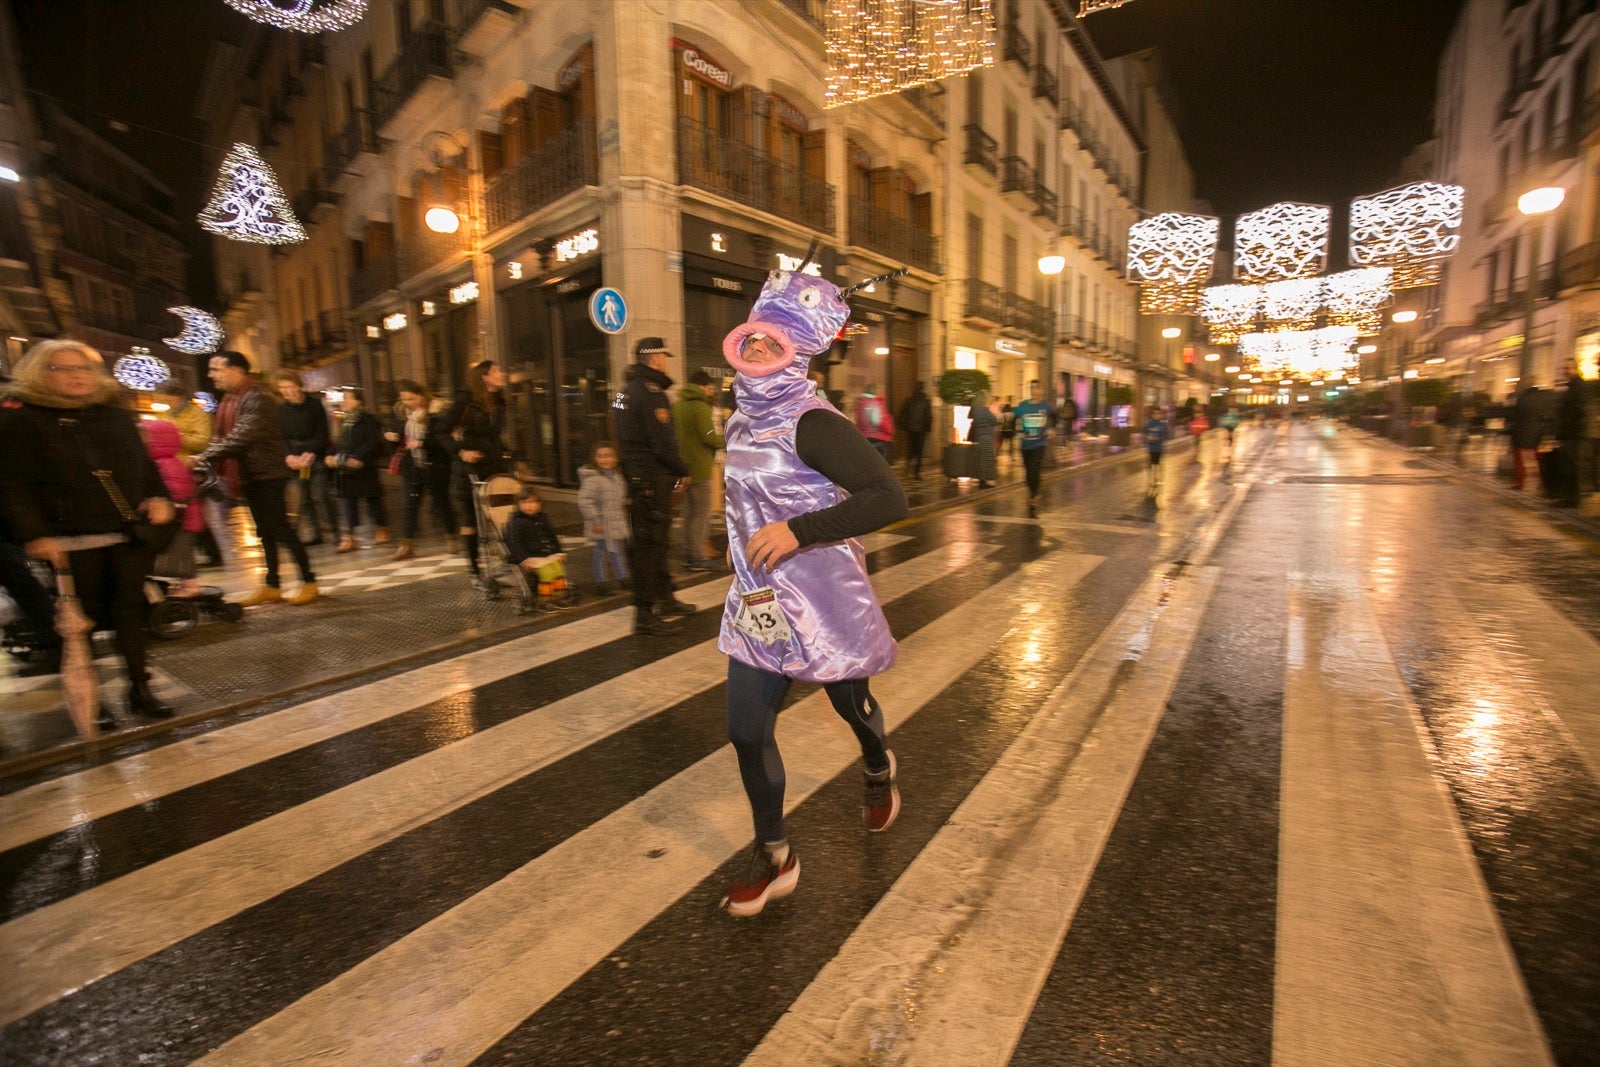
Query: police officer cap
{"x": 649, "y": 346}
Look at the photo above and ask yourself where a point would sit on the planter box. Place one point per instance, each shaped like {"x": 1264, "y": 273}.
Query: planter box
{"x": 960, "y": 461}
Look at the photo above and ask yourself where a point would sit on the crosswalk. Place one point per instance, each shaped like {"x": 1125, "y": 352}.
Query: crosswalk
{"x": 514, "y": 856}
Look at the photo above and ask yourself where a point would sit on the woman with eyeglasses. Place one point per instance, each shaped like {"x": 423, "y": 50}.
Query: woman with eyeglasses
{"x": 70, "y": 506}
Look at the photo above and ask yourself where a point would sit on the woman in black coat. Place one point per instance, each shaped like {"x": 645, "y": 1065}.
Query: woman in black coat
{"x": 356, "y": 462}
{"x": 475, "y": 427}
{"x": 63, "y": 414}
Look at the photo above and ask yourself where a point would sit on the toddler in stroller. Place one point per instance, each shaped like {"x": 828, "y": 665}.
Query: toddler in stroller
{"x": 532, "y": 547}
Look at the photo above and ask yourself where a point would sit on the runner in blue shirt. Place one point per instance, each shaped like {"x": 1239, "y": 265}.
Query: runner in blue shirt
{"x": 1033, "y": 426}
{"x": 1156, "y": 432}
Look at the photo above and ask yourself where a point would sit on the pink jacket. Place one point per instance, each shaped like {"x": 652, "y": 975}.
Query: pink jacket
{"x": 162, "y": 441}
{"x": 873, "y": 418}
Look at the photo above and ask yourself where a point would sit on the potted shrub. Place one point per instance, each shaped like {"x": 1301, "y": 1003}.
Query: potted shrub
{"x": 957, "y": 388}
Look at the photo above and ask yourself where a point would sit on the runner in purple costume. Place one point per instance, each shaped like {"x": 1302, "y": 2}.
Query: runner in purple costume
{"x": 802, "y": 484}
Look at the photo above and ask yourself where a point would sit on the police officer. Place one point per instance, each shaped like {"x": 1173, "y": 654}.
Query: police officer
{"x": 654, "y": 470}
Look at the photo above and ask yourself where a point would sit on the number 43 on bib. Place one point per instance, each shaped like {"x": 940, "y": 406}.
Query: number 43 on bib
{"x": 761, "y": 617}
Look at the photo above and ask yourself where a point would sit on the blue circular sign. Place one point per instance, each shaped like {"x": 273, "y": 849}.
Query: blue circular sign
{"x": 608, "y": 311}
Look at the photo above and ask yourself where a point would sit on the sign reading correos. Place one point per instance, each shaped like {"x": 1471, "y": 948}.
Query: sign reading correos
{"x": 698, "y": 63}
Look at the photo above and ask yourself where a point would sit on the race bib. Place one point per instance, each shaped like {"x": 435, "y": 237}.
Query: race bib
{"x": 761, "y": 617}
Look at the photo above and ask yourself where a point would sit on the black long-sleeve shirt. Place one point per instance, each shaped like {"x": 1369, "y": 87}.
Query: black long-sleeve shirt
{"x": 830, "y": 445}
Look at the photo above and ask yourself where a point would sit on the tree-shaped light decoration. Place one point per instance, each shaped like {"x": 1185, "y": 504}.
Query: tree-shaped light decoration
{"x": 140, "y": 370}
{"x": 1409, "y": 229}
{"x": 202, "y": 333}
{"x": 303, "y": 16}
{"x": 247, "y": 204}
{"x": 1281, "y": 241}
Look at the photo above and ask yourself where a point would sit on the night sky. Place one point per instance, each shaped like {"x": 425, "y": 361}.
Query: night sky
{"x": 1312, "y": 100}
{"x": 1309, "y": 100}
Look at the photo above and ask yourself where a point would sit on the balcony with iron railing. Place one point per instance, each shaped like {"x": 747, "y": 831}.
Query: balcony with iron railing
{"x": 351, "y": 141}
{"x": 1046, "y": 204}
{"x": 429, "y": 54}
{"x": 484, "y": 24}
{"x": 332, "y": 329}
{"x": 718, "y": 164}
{"x": 1021, "y": 314}
{"x": 313, "y": 196}
{"x": 568, "y": 161}
{"x": 893, "y": 236}
{"x": 376, "y": 276}
{"x": 927, "y": 99}
{"x": 1014, "y": 47}
{"x": 982, "y": 151}
{"x": 1580, "y": 267}
{"x": 1045, "y": 84}
{"x": 984, "y": 303}
{"x": 1070, "y": 117}
{"x": 813, "y": 11}
{"x": 1016, "y": 176}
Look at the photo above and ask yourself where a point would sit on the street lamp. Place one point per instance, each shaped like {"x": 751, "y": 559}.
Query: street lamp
{"x": 1050, "y": 266}
{"x": 1534, "y": 204}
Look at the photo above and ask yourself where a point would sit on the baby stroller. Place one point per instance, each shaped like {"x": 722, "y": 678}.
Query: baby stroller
{"x": 495, "y": 498}
{"x": 172, "y": 617}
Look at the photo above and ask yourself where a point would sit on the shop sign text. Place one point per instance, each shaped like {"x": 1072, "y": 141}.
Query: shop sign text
{"x": 579, "y": 244}
{"x": 792, "y": 264}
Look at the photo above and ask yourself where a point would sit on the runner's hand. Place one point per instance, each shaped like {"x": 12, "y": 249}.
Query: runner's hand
{"x": 159, "y": 511}
{"x": 770, "y": 544}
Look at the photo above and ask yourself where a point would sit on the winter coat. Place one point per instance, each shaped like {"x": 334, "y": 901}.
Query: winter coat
{"x": 1572, "y": 419}
{"x": 55, "y": 493}
{"x": 984, "y": 424}
{"x": 873, "y": 418}
{"x": 1528, "y": 418}
{"x": 916, "y": 413}
{"x": 164, "y": 443}
{"x": 530, "y": 536}
{"x": 305, "y": 427}
{"x": 255, "y": 441}
{"x": 603, "y": 500}
{"x": 467, "y": 427}
{"x": 644, "y": 427}
{"x": 361, "y": 439}
{"x": 194, "y": 430}
{"x": 698, "y": 439}
{"x": 435, "y": 447}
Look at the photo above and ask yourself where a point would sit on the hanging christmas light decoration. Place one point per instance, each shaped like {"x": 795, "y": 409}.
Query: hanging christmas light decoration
{"x": 1281, "y": 241}
{"x": 876, "y": 47}
{"x": 1303, "y": 353}
{"x": 202, "y": 333}
{"x": 1410, "y": 228}
{"x": 1170, "y": 258}
{"x": 247, "y": 203}
{"x": 1292, "y": 304}
{"x": 207, "y": 402}
{"x": 1356, "y": 298}
{"x": 140, "y": 370}
{"x": 303, "y": 16}
{"x": 1230, "y": 311}
{"x": 1089, "y": 7}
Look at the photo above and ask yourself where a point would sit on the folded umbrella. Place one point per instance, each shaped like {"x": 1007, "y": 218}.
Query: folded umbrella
{"x": 78, "y": 680}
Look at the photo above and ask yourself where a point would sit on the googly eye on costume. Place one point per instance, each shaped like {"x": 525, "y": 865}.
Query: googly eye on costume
{"x": 779, "y": 280}
{"x": 810, "y": 297}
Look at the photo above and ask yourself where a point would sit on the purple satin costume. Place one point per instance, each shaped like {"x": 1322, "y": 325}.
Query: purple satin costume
{"x": 838, "y": 631}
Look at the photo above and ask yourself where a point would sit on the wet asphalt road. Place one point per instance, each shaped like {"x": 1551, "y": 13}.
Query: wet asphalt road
{"x": 269, "y": 893}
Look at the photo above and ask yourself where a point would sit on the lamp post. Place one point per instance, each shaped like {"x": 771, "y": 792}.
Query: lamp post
{"x": 444, "y": 217}
{"x": 1171, "y": 333}
{"x": 1050, "y": 266}
{"x": 1404, "y": 317}
{"x": 1534, "y": 205}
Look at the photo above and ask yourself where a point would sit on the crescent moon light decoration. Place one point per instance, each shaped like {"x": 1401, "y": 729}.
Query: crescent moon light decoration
{"x": 202, "y": 333}
{"x": 303, "y": 16}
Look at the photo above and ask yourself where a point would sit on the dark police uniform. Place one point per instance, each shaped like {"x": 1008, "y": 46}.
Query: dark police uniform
{"x": 651, "y": 463}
